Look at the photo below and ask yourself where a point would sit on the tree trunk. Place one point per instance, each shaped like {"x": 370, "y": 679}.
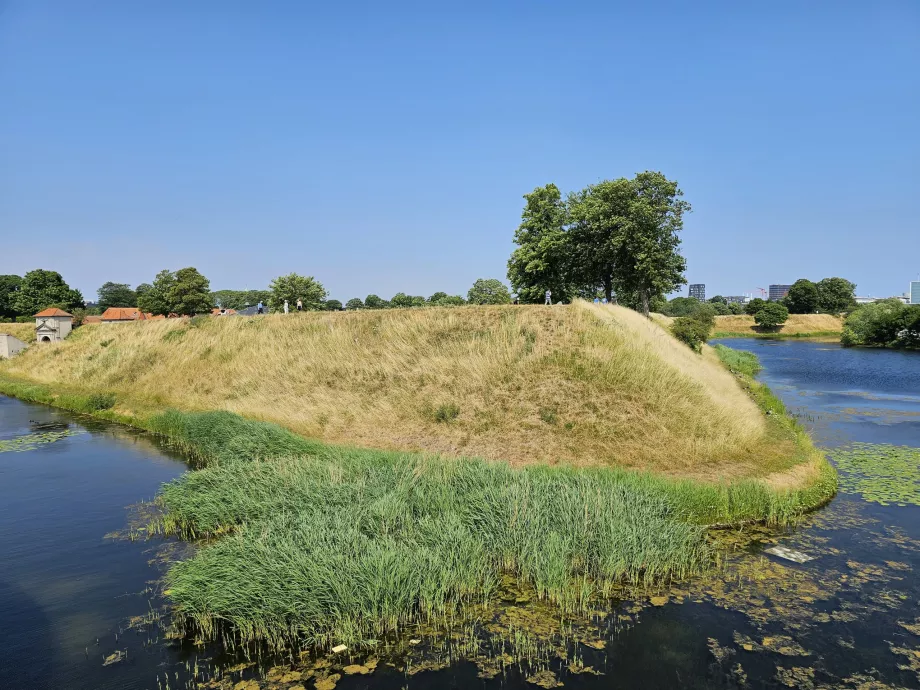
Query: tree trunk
{"x": 643, "y": 300}
{"x": 608, "y": 288}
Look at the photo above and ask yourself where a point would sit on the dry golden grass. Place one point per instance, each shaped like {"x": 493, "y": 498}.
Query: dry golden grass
{"x": 798, "y": 324}
{"x": 24, "y": 331}
{"x": 583, "y": 384}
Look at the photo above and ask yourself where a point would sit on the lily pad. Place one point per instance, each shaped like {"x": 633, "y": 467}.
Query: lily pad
{"x": 880, "y": 473}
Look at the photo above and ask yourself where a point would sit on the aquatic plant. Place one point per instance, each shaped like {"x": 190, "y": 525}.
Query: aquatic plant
{"x": 880, "y": 473}
{"x": 739, "y": 361}
{"x": 32, "y": 441}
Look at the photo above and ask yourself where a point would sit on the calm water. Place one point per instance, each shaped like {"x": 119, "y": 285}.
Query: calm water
{"x": 68, "y": 594}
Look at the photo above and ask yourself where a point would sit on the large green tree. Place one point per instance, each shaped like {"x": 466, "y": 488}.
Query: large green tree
{"x": 540, "y": 262}
{"x": 154, "y": 298}
{"x": 375, "y": 302}
{"x": 599, "y": 215}
{"x": 648, "y": 261}
{"x": 293, "y": 287}
{"x": 9, "y": 285}
{"x": 190, "y": 293}
{"x": 41, "y": 289}
{"x": 836, "y": 295}
{"x": 772, "y": 315}
{"x": 802, "y": 297}
{"x": 116, "y": 295}
{"x": 489, "y": 291}
{"x": 354, "y": 303}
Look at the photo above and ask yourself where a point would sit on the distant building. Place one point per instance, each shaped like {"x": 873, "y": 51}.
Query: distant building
{"x": 122, "y": 314}
{"x": 737, "y": 299}
{"x": 915, "y": 292}
{"x": 52, "y": 325}
{"x": 777, "y": 292}
{"x": 865, "y": 300}
{"x": 698, "y": 290}
{"x": 10, "y": 345}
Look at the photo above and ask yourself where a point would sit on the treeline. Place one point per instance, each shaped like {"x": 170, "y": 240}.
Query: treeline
{"x": 23, "y": 296}
{"x": 617, "y": 237}
{"x": 886, "y": 323}
{"x": 187, "y": 292}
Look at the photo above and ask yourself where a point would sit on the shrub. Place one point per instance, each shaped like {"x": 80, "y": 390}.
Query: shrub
{"x": 772, "y": 315}
{"x": 755, "y": 305}
{"x": 100, "y": 401}
{"x": 888, "y": 323}
{"x": 692, "y": 331}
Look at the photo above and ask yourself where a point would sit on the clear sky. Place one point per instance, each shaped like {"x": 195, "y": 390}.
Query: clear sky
{"x": 384, "y": 147}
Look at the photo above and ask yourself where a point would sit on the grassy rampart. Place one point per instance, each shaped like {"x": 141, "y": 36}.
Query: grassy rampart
{"x": 797, "y": 326}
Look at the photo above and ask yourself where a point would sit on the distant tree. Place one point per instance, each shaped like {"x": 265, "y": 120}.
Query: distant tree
{"x": 802, "y": 297}
{"x": 116, "y": 295}
{"x": 155, "y": 299}
{"x": 754, "y": 306}
{"x": 239, "y": 299}
{"x": 878, "y": 323}
{"x": 293, "y": 287}
{"x": 694, "y": 330}
{"x": 736, "y": 308}
{"x": 401, "y": 300}
{"x": 718, "y": 299}
{"x": 489, "y": 291}
{"x": 772, "y": 315}
{"x": 541, "y": 261}
{"x": 681, "y": 306}
{"x": 41, "y": 289}
{"x": 9, "y": 285}
{"x": 354, "y": 303}
{"x": 451, "y": 301}
{"x": 836, "y": 295}
{"x": 437, "y": 296}
{"x": 190, "y": 293}
{"x": 333, "y": 305}
{"x": 657, "y": 304}
{"x": 375, "y": 302}
{"x": 721, "y": 308}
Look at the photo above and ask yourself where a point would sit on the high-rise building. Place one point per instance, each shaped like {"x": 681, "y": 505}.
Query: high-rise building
{"x": 698, "y": 290}
{"x": 737, "y": 299}
{"x": 915, "y": 292}
{"x": 777, "y": 292}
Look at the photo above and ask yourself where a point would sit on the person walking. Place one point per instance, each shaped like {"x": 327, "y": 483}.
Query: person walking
{"x": 285, "y": 306}
{"x": 260, "y": 308}
{"x": 549, "y": 297}
{"x": 299, "y": 305}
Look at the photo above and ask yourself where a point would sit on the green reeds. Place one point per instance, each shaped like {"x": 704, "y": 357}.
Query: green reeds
{"x": 330, "y": 544}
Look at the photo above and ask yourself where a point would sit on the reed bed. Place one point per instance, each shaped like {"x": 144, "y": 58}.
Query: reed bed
{"x": 329, "y": 544}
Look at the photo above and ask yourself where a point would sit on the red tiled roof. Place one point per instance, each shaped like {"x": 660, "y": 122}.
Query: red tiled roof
{"x": 92, "y": 319}
{"x": 123, "y": 314}
{"x": 52, "y": 311}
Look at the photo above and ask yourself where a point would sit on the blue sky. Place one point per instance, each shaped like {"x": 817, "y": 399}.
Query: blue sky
{"x": 385, "y": 147}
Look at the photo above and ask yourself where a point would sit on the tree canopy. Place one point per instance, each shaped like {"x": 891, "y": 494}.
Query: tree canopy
{"x": 190, "y": 293}
{"x": 618, "y": 236}
{"x": 375, "y": 302}
{"x": 489, "y": 291}
{"x": 116, "y": 295}
{"x": 9, "y": 285}
{"x": 239, "y": 299}
{"x": 771, "y": 315}
{"x": 836, "y": 295}
{"x": 886, "y": 323}
{"x": 41, "y": 289}
{"x": 802, "y": 297}
{"x": 540, "y": 261}
{"x": 354, "y": 303}
{"x": 293, "y": 287}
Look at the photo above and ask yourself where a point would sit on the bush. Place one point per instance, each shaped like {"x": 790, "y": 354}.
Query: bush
{"x": 100, "y": 401}
{"x": 886, "y": 323}
{"x": 692, "y": 331}
{"x": 772, "y": 315}
{"x": 755, "y": 305}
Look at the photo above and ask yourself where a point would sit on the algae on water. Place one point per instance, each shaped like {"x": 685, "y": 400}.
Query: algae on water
{"x": 880, "y": 473}
{"x": 32, "y": 441}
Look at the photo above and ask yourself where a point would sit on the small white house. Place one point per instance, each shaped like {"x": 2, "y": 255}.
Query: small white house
{"x": 10, "y": 345}
{"x": 52, "y": 325}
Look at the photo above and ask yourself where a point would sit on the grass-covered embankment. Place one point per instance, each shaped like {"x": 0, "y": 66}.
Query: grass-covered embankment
{"x": 580, "y": 384}
{"x": 796, "y": 326}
